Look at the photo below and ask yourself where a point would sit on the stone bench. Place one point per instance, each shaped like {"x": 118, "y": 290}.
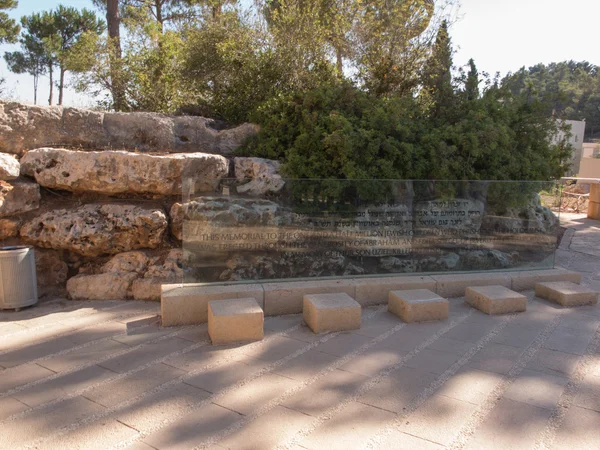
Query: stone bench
{"x": 235, "y": 320}
{"x": 495, "y": 299}
{"x": 331, "y": 312}
{"x": 566, "y": 293}
{"x": 418, "y": 305}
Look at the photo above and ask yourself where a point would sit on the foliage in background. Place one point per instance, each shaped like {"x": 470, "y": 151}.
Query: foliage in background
{"x": 9, "y": 28}
{"x": 224, "y": 64}
{"x": 570, "y": 90}
{"x": 32, "y": 60}
{"x": 140, "y": 71}
{"x": 224, "y": 59}
{"x": 452, "y": 130}
{"x": 48, "y": 42}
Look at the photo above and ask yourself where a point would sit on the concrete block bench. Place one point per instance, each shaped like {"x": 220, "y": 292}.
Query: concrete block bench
{"x": 495, "y": 299}
{"x": 235, "y": 320}
{"x": 186, "y": 304}
{"x": 418, "y": 305}
{"x": 331, "y": 312}
{"x": 566, "y": 293}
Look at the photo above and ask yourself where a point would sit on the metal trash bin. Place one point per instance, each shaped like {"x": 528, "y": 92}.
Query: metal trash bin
{"x": 18, "y": 282}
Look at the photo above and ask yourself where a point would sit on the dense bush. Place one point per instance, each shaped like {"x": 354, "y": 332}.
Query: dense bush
{"x": 339, "y": 131}
{"x": 448, "y": 129}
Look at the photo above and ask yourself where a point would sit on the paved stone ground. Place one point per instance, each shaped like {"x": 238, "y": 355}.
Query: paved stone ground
{"x": 104, "y": 375}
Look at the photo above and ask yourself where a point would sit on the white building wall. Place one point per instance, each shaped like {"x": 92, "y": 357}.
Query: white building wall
{"x": 590, "y": 150}
{"x": 576, "y": 140}
{"x": 589, "y": 168}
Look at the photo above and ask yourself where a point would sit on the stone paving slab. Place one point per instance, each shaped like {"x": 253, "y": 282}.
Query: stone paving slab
{"x": 64, "y": 385}
{"x": 144, "y": 419}
{"x": 348, "y": 428}
{"x": 511, "y": 425}
{"x": 10, "y": 406}
{"x": 80, "y": 377}
{"x": 449, "y": 414}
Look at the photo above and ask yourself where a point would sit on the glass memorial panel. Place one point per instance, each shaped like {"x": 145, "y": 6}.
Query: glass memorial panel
{"x": 283, "y": 229}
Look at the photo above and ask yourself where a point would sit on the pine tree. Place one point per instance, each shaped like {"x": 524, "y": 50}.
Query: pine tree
{"x": 438, "y": 90}
{"x": 113, "y": 20}
{"x": 9, "y": 29}
{"x": 70, "y": 24}
{"x": 39, "y": 33}
{"x": 472, "y": 82}
{"x": 32, "y": 60}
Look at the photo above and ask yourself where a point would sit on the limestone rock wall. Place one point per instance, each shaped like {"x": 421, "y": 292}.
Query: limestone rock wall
{"x": 98, "y": 195}
{"x": 25, "y": 127}
{"x": 118, "y": 172}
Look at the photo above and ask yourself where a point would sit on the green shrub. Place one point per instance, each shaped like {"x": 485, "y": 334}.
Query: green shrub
{"x": 340, "y": 132}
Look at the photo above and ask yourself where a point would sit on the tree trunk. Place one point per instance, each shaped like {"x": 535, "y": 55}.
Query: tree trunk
{"x": 339, "y": 62}
{"x": 113, "y": 20}
{"x": 216, "y": 11}
{"x": 159, "y": 15}
{"x": 51, "y": 84}
{"x": 35, "y": 88}
{"x": 61, "y": 85}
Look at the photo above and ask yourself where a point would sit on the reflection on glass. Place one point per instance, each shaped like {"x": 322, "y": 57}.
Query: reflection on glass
{"x": 294, "y": 229}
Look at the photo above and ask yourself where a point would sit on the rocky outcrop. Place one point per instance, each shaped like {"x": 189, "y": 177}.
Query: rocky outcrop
{"x": 18, "y": 196}
{"x": 128, "y": 275}
{"x": 52, "y": 271}
{"x": 532, "y": 218}
{"x": 206, "y": 212}
{"x": 9, "y": 167}
{"x": 263, "y": 176}
{"x": 257, "y": 267}
{"x": 24, "y": 127}
{"x": 103, "y": 286}
{"x": 459, "y": 214}
{"x": 117, "y": 172}
{"x": 485, "y": 259}
{"x": 9, "y": 228}
{"x": 97, "y": 229}
{"x": 177, "y": 216}
{"x": 135, "y": 261}
{"x": 159, "y": 272}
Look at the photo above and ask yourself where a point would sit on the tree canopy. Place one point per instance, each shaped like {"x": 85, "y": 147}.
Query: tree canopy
{"x": 571, "y": 90}
{"x": 9, "y": 28}
{"x": 48, "y": 41}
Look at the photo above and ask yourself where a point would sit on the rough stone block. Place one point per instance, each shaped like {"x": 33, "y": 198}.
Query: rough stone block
{"x": 187, "y": 304}
{"x": 104, "y": 286}
{"x": 418, "y": 305}
{"x": 375, "y": 291}
{"x": 449, "y": 286}
{"x": 9, "y": 167}
{"x": 566, "y": 293}
{"x": 594, "y": 210}
{"x": 102, "y": 228}
{"x": 287, "y": 297}
{"x": 495, "y": 299}
{"x": 18, "y": 197}
{"x": 331, "y": 312}
{"x": 595, "y": 192}
{"x": 115, "y": 172}
{"x": 235, "y": 320}
{"x": 522, "y": 281}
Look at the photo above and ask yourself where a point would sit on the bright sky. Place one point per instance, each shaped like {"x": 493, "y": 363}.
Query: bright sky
{"x": 501, "y": 35}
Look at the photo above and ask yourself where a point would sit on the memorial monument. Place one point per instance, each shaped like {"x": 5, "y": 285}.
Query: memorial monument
{"x": 307, "y": 229}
